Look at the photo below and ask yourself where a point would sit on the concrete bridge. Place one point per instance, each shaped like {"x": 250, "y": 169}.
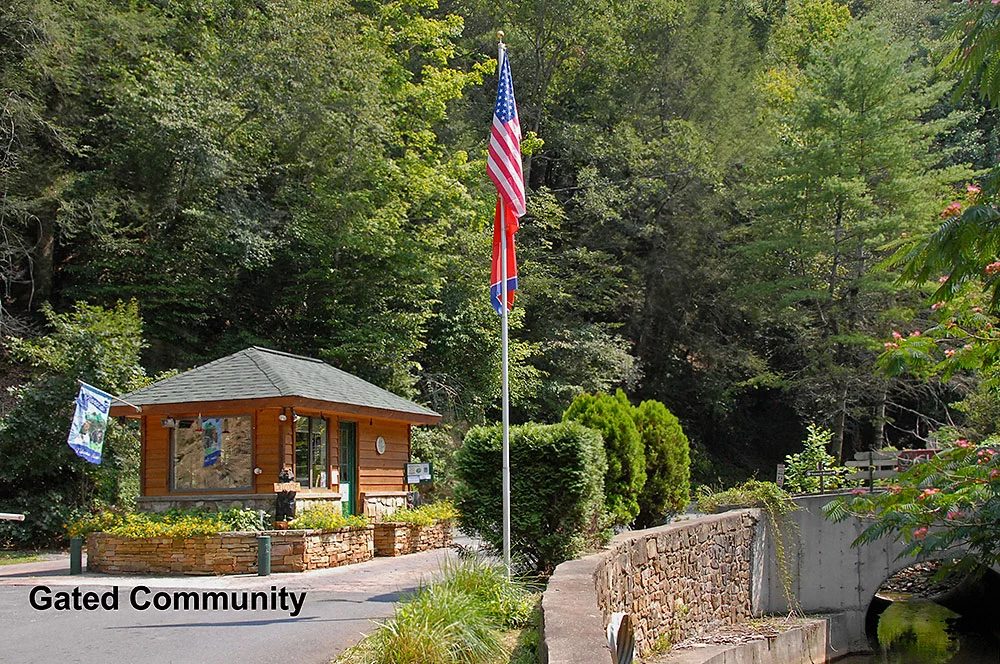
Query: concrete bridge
{"x": 828, "y": 575}
{"x": 709, "y": 571}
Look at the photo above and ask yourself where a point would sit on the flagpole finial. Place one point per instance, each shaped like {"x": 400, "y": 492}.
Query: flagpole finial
{"x": 500, "y": 36}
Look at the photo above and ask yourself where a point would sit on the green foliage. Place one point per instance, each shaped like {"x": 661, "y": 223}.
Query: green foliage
{"x": 173, "y": 523}
{"x": 947, "y": 506}
{"x": 668, "y": 463}
{"x": 509, "y": 604}
{"x": 557, "y": 506}
{"x": 326, "y": 517}
{"x": 436, "y": 445}
{"x": 41, "y": 476}
{"x": 813, "y": 454}
{"x": 626, "y": 469}
{"x": 425, "y": 515}
{"x": 456, "y": 620}
{"x": 752, "y": 493}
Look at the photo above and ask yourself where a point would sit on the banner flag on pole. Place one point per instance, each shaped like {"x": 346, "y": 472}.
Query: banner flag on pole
{"x": 511, "y": 224}
{"x": 505, "y": 170}
{"x": 86, "y": 434}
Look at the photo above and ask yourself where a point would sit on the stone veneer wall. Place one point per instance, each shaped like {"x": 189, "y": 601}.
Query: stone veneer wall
{"x": 397, "y": 539}
{"x": 229, "y": 553}
{"x": 673, "y": 580}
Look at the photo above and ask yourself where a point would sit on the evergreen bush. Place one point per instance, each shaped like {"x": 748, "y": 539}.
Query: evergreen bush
{"x": 626, "y": 462}
{"x": 668, "y": 463}
{"x": 557, "y": 506}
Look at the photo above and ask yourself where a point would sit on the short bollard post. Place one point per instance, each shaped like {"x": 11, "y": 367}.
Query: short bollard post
{"x": 264, "y": 555}
{"x": 75, "y": 555}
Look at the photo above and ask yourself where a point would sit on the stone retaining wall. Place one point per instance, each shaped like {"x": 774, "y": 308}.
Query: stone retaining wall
{"x": 397, "y": 539}
{"x": 229, "y": 553}
{"x": 673, "y": 580}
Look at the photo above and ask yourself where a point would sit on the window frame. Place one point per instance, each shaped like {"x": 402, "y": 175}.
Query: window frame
{"x": 310, "y": 419}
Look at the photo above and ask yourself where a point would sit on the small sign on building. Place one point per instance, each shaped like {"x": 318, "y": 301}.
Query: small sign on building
{"x": 419, "y": 473}
{"x": 780, "y": 480}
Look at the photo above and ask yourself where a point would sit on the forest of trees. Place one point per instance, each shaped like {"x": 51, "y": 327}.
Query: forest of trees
{"x": 720, "y": 197}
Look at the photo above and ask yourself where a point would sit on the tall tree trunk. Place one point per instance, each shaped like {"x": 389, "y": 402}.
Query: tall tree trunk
{"x": 840, "y": 423}
{"x": 43, "y": 260}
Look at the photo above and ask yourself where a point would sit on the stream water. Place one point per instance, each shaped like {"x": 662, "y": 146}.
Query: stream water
{"x": 922, "y": 632}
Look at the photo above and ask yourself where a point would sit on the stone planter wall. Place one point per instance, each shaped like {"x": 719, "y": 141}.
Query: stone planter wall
{"x": 228, "y": 553}
{"x": 397, "y": 539}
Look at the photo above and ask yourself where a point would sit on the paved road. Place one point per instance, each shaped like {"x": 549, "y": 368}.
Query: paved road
{"x": 336, "y": 610}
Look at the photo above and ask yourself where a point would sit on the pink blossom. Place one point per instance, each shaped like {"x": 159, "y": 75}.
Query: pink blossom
{"x": 859, "y": 492}
{"x": 927, "y": 493}
{"x": 943, "y": 280}
{"x": 915, "y": 333}
{"x": 920, "y": 532}
{"x": 896, "y": 335}
{"x": 894, "y": 488}
{"x": 994, "y": 474}
{"x": 973, "y": 189}
{"x": 953, "y": 209}
{"x": 967, "y": 347}
{"x": 993, "y": 267}
{"x": 950, "y": 353}
{"x": 977, "y": 310}
{"x": 938, "y": 305}
{"x": 955, "y": 514}
{"x": 890, "y": 345}
{"x": 905, "y": 235}
{"x": 963, "y": 443}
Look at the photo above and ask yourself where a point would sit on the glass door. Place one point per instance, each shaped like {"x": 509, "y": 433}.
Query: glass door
{"x": 349, "y": 467}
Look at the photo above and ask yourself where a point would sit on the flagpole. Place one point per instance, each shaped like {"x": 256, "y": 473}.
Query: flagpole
{"x": 504, "y": 359}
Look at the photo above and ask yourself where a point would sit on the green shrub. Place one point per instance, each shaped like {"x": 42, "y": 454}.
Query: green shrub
{"x": 625, "y": 476}
{"x": 326, "y": 517}
{"x": 425, "y": 515}
{"x": 668, "y": 463}
{"x": 752, "y": 493}
{"x": 173, "y": 523}
{"x": 557, "y": 507}
{"x": 813, "y": 453}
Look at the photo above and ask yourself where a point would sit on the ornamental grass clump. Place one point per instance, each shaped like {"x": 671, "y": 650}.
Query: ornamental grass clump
{"x": 326, "y": 517}
{"x": 458, "y": 620}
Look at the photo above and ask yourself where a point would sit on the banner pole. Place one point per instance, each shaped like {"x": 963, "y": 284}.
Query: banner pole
{"x": 505, "y": 377}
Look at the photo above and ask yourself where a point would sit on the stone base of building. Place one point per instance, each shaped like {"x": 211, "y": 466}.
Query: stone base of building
{"x": 229, "y": 553}
{"x": 397, "y": 539}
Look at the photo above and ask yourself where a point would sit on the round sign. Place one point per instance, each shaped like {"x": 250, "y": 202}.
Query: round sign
{"x": 380, "y": 445}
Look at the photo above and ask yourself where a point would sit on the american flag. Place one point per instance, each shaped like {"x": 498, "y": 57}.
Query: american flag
{"x": 504, "y": 168}
{"x": 504, "y": 161}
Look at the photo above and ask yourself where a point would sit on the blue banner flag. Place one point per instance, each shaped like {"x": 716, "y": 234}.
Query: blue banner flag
{"x": 86, "y": 435}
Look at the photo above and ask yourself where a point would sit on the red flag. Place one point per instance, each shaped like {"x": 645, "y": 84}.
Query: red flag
{"x": 495, "y": 286}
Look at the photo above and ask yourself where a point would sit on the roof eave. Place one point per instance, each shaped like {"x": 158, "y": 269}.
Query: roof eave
{"x": 236, "y": 405}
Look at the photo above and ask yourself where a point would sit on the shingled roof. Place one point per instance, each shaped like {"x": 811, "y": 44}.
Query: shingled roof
{"x": 262, "y": 373}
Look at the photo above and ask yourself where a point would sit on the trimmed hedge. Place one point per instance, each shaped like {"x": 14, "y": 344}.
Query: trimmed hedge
{"x": 557, "y": 490}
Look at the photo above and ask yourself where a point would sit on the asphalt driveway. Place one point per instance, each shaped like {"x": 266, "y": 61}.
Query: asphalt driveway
{"x": 46, "y": 615}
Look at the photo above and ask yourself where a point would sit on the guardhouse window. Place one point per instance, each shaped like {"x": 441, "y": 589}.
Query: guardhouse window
{"x": 311, "y": 466}
{"x": 212, "y": 453}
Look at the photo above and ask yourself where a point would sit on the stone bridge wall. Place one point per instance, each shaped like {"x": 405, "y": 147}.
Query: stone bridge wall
{"x": 693, "y": 575}
{"x": 673, "y": 581}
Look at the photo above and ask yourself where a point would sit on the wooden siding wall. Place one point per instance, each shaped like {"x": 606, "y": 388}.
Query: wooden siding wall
{"x": 378, "y": 472}
{"x": 383, "y": 472}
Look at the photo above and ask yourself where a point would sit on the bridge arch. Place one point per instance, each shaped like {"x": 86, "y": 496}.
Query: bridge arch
{"x": 828, "y": 575}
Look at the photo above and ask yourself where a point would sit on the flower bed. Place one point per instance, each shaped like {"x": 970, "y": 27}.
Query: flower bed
{"x": 228, "y": 553}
